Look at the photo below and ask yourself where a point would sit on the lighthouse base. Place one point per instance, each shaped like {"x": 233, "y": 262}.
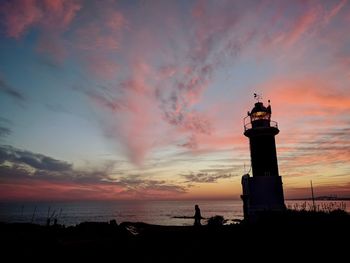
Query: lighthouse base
{"x": 261, "y": 194}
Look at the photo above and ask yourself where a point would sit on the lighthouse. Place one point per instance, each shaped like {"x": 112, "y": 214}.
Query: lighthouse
{"x": 263, "y": 191}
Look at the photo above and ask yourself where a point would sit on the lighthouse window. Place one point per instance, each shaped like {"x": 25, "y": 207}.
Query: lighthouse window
{"x": 260, "y": 115}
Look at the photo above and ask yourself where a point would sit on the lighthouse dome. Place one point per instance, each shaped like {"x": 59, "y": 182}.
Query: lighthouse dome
{"x": 260, "y": 112}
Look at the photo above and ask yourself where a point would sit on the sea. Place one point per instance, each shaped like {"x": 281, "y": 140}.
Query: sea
{"x": 153, "y": 212}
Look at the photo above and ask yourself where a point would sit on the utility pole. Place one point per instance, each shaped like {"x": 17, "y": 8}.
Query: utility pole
{"x": 313, "y": 197}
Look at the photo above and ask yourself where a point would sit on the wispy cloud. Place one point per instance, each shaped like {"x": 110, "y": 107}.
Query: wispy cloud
{"x": 20, "y": 15}
{"x": 211, "y": 175}
{"x": 4, "y": 131}
{"x": 52, "y": 18}
{"x": 138, "y": 186}
{"x": 10, "y": 91}
{"x": 302, "y": 26}
{"x": 333, "y": 12}
{"x": 326, "y": 147}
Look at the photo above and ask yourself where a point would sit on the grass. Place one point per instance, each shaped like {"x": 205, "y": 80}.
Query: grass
{"x": 326, "y": 207}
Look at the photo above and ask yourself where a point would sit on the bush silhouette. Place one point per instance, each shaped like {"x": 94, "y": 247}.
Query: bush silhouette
{"x": 216, "y": 221}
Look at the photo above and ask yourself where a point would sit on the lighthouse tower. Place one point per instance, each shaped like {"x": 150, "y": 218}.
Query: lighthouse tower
{"x": 263, "y": 191}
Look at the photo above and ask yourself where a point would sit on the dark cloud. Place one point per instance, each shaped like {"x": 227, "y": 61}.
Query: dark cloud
{"x": 10, "y": 91}
{"x": 34, "y": 160}
{"x": 4, "y": 131}
{"x": 138, "y": 184}
{"x": 337, "y": 132}
{"x": 211, "y": 175}
{"x": 10, "y": 172}
{"x": 191, "y": 143}
{"x": 106, "y": 100}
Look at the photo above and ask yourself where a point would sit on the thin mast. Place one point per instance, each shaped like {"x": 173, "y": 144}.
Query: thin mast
{"x": 313, "y": 197}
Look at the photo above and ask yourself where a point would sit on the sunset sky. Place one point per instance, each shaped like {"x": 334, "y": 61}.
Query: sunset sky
{"x": 146, "y": 99}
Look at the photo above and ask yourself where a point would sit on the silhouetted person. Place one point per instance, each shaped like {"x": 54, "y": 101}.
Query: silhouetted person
{"x": 197, "y": 216}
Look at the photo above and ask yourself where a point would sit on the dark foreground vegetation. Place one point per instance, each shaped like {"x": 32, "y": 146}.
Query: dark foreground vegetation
{"x": 293, "y": 235}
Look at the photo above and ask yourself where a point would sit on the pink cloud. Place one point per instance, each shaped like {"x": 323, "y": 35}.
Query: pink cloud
{"x": 115, "y": 20}
{"x": 92, "y": 38}
{"x": 335, "y": 10}
{"x": 51, "y": 17}
{"x": 59, "y": 13}
{"x": 47, "y": 190}
{"x": 20, "y": 15}
{"x": 320, "y": 96}
{"x": 136, "y": 116}
{"x": 214, "y": 42}
{"x": 54, "y": 45}
{"x": 157, "y": 98}
{"x": 302, "y": 26}
{"x": 151, "y": 98}
{"x": 102, "y": 67}
{"x": 97, "y": 41}
{"x": 306, "y": 23}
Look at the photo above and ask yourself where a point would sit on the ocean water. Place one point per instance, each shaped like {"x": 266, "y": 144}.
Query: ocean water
{"x": 152, "y": 212}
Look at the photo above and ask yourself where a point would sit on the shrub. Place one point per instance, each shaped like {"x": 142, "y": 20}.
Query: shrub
{"x": 216, "y": 221}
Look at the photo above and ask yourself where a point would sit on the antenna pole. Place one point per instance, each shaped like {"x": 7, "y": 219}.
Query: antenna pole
{"x": 313, "y": 197}
{"x": 33, "y": 215}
